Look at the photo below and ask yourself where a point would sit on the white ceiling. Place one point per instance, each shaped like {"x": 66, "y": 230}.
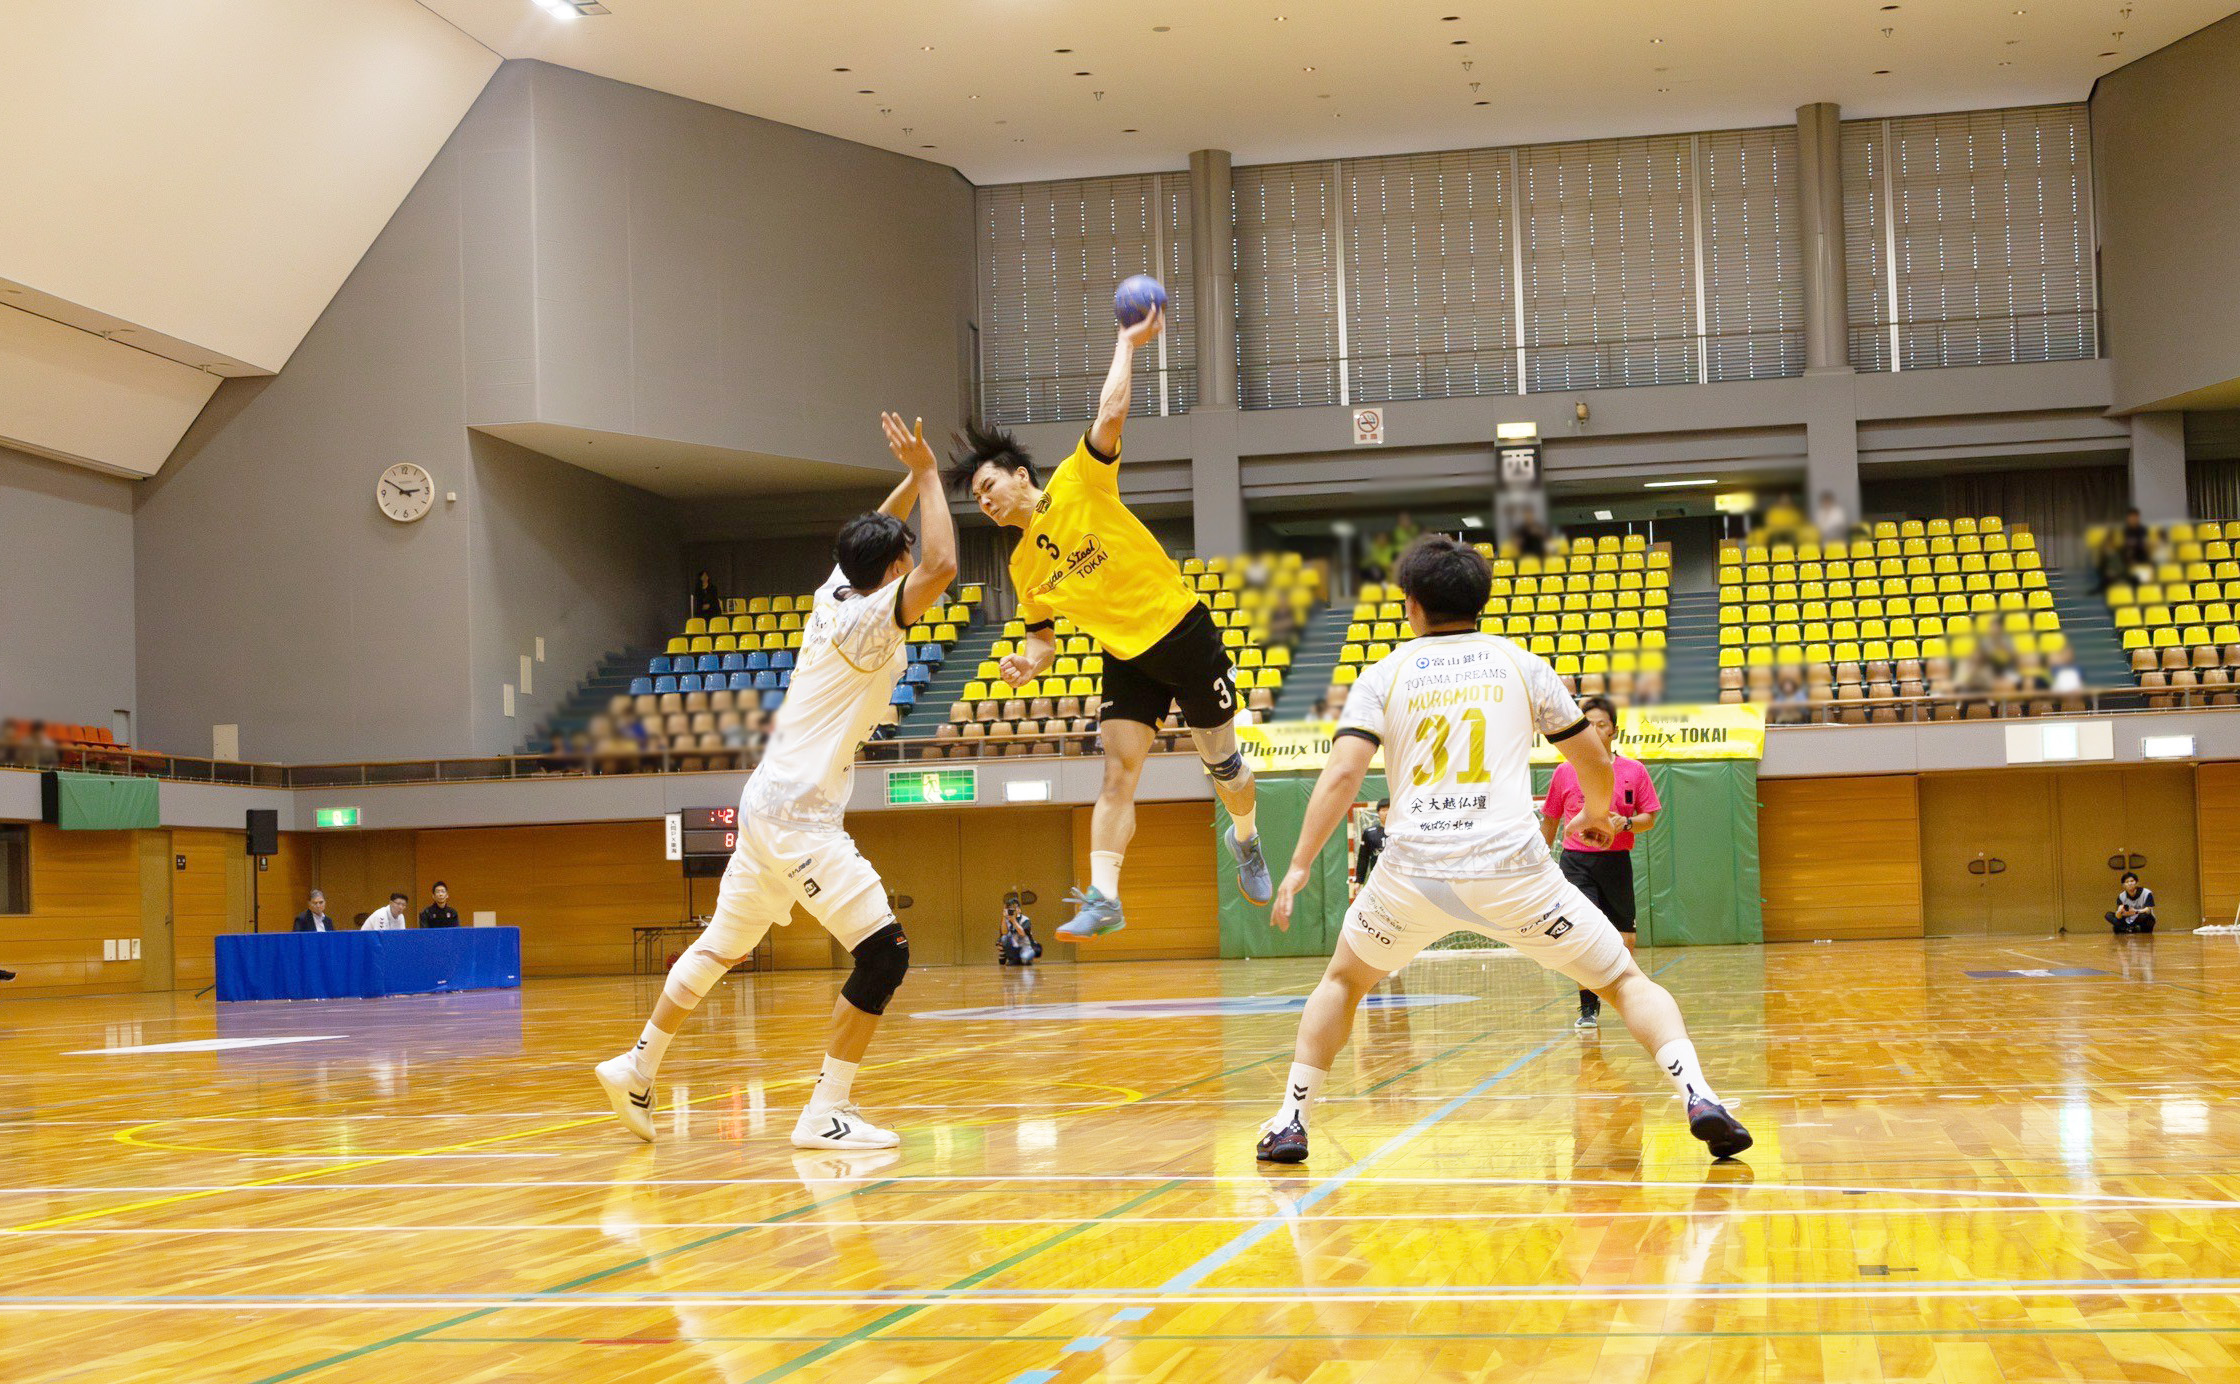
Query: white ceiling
{"x": 981, "y": 83}
{"x": 694, "y": 471}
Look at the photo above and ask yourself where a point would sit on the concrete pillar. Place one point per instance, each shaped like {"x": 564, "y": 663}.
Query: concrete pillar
{"x": 1831, "y": 407}
{"x": 1827, "y": 322}
{"x": 1216, "y": 490}
{"x": 2158, "y": 466}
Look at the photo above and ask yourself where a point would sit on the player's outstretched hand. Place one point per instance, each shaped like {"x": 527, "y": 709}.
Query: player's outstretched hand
{"x": 1595, "y": 827}
{"x": 1018, "y": 669}
{"x": 908, "y": 443}
{"x": 1137, "y": 333}
{"x": 1287, "y": 896}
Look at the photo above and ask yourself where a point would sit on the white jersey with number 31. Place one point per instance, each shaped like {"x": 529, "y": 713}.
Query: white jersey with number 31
{"x": 1457, "y": 715}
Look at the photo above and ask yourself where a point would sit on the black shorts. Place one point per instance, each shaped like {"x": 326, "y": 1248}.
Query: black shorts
{"x": 1188, "y": 668}
{"x": 1606, "y": 878}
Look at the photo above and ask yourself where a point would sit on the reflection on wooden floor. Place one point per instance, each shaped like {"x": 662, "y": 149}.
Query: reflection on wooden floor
{"x": 1999, "y": 1177}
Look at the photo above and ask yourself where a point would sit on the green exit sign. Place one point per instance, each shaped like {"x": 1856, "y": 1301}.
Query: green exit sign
{"x": 338, "y": 816}
{"x": 921, "y": 787}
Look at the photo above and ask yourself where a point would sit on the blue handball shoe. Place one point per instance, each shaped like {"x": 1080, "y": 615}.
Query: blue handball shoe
{"x": 1098, "y": 916}
{"x": 1253, "y": 880}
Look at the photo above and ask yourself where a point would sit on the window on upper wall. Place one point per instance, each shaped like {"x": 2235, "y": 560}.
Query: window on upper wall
{"x": 1051, "y": 255}
{"x": 15, "y": 869}
{"x": 1968, "y": 239}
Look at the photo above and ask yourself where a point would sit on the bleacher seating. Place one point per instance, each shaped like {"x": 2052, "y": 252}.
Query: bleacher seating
{"x": 713, "y": 690}
{"x": 2176, "y": 620}
{"x": 1892, "y": 614}
{"x": 1260, "y": 603}
{"x": 1596, "y": 609}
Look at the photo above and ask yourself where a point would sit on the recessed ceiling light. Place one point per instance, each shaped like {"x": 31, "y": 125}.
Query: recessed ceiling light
{"x": 1664, "y": 89}
{"x": 1162, "y": 28}
{"x": 1306, "y": 69}
{"x": 1674, "y": 485}
{"x": 1282, "y": 18}
{"x": 2020, "y": 13}
{"x": 971, "y": 98}
{"x": 841, "y": 69}
{"x": 2006, "y": 64}
{"x": 1130, "y": 132}
{"x": 1882, "y": 72}
{"x": 926, "y": 48}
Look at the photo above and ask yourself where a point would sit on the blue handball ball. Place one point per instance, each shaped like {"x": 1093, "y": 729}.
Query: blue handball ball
{"x": 1138, "y": 297}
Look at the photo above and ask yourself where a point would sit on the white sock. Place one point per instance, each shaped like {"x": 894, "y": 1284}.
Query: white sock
{"x": 1104, "y": 872}
{"x": 1678, "y": 1058}
{"x": 833, "y": 1083}
{"x": 1299, "y": 1093}
{"x": 1247, "y": 823}
{"x": 653, "y": 1045}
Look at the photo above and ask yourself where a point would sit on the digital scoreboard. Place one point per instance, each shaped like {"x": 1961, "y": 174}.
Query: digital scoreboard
{"x": 709, "y": 830}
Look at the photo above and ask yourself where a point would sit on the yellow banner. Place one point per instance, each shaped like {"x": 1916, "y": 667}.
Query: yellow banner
{"x": 1646, "y": 733}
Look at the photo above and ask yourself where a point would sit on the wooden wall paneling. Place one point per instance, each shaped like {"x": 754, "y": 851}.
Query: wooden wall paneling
{"x": 207, "y": 898}
{"x": 1011, "y": 849}
{"x": 2009, "y": 816}
{"x": 85, "y": 888}
{"x": 2159, "y": 806}
{"x": 154, "y": 852}
{"x": 574, "y": 891}
{"x": 1840, "y": 858}
{"x": 359, "y": 868}
{"x": 2217, "y": 839}
{"x": 1168, "y": 884}
{"x": 284, "y": 886}
{"x": 919, "y": 856}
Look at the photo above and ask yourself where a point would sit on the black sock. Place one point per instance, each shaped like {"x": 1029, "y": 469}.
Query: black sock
{"x": 1589, "y": 1002}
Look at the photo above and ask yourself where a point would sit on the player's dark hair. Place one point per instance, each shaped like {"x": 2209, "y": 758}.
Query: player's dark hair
{"x": 1383, "y": 803}
{"x": 399, "y": 898}
{"x": 867, "y": 546}
{"x": 979, "y": 445}
{"x": 1447, "y": 577}
{"x": 1601, "y": 704}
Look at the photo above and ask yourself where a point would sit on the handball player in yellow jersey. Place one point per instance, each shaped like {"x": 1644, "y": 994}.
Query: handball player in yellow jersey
{"x": 1083, "y": 555}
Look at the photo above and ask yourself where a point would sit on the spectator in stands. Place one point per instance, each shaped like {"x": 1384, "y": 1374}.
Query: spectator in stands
{"x": 1990, "y": 665}
{"x": 439, "y": 912}
{"x": 315, "y": 918}
{"x": 2063, "y": 674}
{"x": 1532, "y": 538}
{"x": 2134, "y": 911}
{"x": 1405, "y": 530}
{"x": 1832, "y": 522}
{"x": 1377, "y": 562}
{"x": 390, "y": 919}
{"x": 2136, "y": 548}
{"x": 1792, "y": 705}
{"x": 1372, "y": 844}
{"x": 706, "y": 601}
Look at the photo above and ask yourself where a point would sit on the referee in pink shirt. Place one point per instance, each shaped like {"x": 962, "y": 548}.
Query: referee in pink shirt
{"x": 1603, "y": 873}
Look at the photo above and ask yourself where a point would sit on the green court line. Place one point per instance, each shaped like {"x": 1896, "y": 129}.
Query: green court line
{"x": 873, "y": 1328}
{"x": 641, "y": 1262}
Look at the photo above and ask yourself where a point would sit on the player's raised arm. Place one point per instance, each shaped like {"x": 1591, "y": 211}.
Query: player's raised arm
{"x": 1335, "y": 792}
{"x": 1119, "y": 383}
{"x": 937, "y": 558}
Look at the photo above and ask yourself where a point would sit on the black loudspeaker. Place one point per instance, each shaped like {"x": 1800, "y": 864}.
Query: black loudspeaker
{"x": 264, "y": 831}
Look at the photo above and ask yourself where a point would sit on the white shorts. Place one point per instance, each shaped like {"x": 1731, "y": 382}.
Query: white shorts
{"x": 776, "y": 866}
{"x": 1540, "y": 913}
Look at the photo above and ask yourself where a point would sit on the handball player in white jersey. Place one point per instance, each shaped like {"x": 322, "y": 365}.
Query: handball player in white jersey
{"x": 1456, "y": 712}
{"x": 792, "y": 848}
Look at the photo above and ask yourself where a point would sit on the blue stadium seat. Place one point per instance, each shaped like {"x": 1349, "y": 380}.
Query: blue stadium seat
{"x": 766, "y": 682}
{"x": 772, "y": 700}
{"x": 783, "y": 658}
{"x": 785, "y": 677}
{"x": 734, "y": 663}
{"x": 690, "y": 682}
{"x": 660, "y": 664}
{"x": 662, "y": 687}
{"x": 742, "y": 682}
{"x": 757, "y": 661}
{"x": 904, "y": 695}
{"x": 917, "y": 675}
{"x": 641, "y": 687}
{"x": 709, "y": 663}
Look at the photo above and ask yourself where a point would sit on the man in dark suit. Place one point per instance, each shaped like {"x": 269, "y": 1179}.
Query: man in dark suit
{"x": 440, "y": 913}
{"x": 1372, "y": 844}
{"x": 314, "y": 918}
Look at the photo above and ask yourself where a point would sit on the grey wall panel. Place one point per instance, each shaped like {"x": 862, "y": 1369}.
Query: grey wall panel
{"x": 66, "y": 611}
{"x": 2166, "y": 149}
{"x": 710, "y": 277}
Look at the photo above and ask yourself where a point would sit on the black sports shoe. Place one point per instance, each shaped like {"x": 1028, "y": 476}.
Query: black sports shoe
{"x": 1288, "y": 1144}
{"x": 1709, "y": 1121}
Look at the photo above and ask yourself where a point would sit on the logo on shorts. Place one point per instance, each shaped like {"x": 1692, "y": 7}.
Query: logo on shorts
{"x": 1562, "y": 926}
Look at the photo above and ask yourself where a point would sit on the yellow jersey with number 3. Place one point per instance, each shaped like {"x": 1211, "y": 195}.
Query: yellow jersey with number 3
{"x": 1086, "y": 556}
{"x": 1457, "y": 715}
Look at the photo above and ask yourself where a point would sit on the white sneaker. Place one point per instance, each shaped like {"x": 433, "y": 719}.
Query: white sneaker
{"x": 840, "y": 1127}
{"x": 630, "y": 1094}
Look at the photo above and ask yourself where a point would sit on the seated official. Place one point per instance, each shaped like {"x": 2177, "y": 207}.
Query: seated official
{"x": 440, "y": 913}
{"x": 2134, "y": 911}
{"x": 315, "y": 918}
{"x": 390, "y": 919}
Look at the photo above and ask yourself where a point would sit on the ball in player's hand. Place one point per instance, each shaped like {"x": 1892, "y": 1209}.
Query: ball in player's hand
{"x": 1138, "y": 296}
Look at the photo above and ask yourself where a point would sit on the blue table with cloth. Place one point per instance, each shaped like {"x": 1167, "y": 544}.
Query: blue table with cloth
{"x": 364, "y": 965}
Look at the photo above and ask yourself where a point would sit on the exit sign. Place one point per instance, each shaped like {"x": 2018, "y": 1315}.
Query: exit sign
{"x": 923, "y": 787}
{"x": 338, "y": 816}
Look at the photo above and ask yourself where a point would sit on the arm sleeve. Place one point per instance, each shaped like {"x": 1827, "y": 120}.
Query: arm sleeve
{"x": 1554, "y": 713}
{"x": 1364, "y": 712}
{"x": 1033, "y": 613}
{"x": 1092, "y": 468}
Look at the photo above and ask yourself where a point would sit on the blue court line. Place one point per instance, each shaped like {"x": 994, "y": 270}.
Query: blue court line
{"x": 1131, "y": 1314}
{"x": 1082, "y": 1345}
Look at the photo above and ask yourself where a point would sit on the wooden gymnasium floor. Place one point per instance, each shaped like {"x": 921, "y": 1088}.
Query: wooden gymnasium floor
{"x": 2020, "y": 1177}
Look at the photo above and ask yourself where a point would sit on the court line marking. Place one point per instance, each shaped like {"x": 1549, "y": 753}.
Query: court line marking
{"x": 1617, "y": 1332}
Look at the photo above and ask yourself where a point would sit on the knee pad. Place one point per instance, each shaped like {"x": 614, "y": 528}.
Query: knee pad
{"x": 882, "y": 959}
{"x": 694, "y": 975}
{"x": 1227, "y": 769}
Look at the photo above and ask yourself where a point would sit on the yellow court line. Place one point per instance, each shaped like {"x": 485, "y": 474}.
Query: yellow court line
{"x": 306, "y": 1174}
